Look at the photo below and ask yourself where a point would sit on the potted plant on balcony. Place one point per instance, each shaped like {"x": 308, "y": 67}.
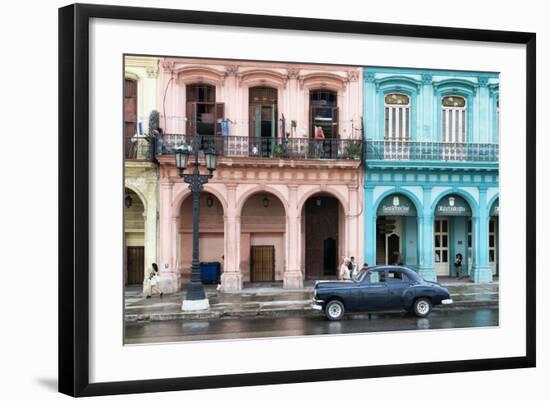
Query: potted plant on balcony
{"x": 354, "y": 150}
{"x": 279, "y": 150}
{"x": 154, "y": 132}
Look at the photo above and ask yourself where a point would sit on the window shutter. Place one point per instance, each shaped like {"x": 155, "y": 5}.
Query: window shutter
{"x": 220, "y": 114}
{"x": 335, "y": 133}
{"x": 191, "y": 115}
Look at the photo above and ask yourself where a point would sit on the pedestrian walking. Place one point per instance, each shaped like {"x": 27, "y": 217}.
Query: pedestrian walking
{"x": 458, "y": 265}
{"x": 343, "y": 272}
{"x": 154, "y": 281}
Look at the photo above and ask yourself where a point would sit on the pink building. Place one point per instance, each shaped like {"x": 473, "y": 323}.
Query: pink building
{"x": 286, "y": 202}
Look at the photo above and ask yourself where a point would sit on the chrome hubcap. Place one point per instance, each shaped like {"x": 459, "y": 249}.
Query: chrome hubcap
{"x": 422, "y": 307}
{"x": 334, "y": 310}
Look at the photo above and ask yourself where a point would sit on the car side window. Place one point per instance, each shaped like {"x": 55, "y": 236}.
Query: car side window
{"x": 376, "y": 277}
{"x": 395, "y": 276}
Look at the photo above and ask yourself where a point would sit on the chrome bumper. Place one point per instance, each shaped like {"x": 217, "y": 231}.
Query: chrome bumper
{"x": 317, "y": 305}
{"x": 447, "y": 301}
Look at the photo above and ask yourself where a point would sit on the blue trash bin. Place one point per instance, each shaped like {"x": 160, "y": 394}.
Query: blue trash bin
{"x": 210, "y": 272}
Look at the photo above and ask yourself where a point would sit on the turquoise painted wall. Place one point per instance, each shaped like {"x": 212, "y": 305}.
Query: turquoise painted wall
{"x": 425, "y": 182}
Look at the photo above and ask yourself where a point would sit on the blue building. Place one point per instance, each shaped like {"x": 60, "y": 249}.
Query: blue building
{"x": 432, "y": 170}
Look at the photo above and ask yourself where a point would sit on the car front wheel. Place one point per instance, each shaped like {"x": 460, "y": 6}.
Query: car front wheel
{"x": 422, "y": 307}
{"x": 334, "y": 310}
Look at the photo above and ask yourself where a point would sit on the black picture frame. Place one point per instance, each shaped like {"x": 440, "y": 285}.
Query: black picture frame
{"x": 74, "y": 200}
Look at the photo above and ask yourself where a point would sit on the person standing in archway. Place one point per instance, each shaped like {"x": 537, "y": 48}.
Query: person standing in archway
{"x": 154, "y": 281}
{"x": 458, "y": 265}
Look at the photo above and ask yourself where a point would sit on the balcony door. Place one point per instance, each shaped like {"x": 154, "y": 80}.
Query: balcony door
{"x": 263, "y": 120}
{"x": 202, "y": 112}
{"x": 453, "y": 127}
{"x": 397, "y": 126}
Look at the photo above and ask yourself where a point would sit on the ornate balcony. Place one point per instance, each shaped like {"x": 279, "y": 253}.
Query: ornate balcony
{"x": 140, "y": 149}
{"x": 268, "y": 148}
{"x": 431, "y": 153}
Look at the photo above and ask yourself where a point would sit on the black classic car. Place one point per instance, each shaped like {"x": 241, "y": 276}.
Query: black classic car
{"x": 379, "y": 288}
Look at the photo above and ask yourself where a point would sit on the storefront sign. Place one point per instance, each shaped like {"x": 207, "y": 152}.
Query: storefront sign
{"x": 453, "y": 205}
{"x": 396, "y": 205}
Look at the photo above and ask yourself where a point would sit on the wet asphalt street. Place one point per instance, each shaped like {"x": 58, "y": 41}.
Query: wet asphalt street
{"x": 218, "y": 329}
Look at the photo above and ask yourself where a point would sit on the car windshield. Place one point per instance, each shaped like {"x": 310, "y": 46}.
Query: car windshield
{"x": 361, "y": 275}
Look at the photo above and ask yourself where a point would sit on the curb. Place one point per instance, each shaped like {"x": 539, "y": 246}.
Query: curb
{"x": 278, "y": 312}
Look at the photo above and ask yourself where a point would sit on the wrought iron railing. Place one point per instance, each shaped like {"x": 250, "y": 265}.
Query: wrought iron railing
{"x": 244, "y": 146}
{"x": 431, "y": 151}
{"x": 140, "y": 148}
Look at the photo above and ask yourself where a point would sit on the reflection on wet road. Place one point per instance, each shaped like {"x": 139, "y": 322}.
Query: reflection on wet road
{"x": 218, "y": 329}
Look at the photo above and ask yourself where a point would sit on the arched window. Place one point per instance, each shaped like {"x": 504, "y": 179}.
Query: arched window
{"x": 397, "y": 116}
{"x": 453, "y": 119}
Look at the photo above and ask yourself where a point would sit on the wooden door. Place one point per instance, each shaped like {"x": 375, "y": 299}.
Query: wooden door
{"x": 130, "y": 113}
{"x": 134, "y": 264}
{"x": 262, "y": 263}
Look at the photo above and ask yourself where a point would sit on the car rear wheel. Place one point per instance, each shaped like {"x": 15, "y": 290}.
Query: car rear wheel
{"x": 334, "y": 310}
{"x": 422, "y": 307}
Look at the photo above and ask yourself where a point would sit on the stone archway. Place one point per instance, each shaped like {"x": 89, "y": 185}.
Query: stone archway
{"x": 134, "y": 238}
{"x": 211, "y": 233}
{"x": 322, "y": 235}
{"x": 262, "y": 238}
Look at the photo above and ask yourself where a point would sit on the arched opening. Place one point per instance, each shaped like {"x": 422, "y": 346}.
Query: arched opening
{"x": 263, "y": 127}
{"x": 396, "y": 231}
{"x": 134, "y": 238}
{"x": 323, "y": 237}
{"x": 494, "y": 237}
{"x": 453, "y": 236}
{"x": 211, "y": 236}
{"x": 263, "y": 228}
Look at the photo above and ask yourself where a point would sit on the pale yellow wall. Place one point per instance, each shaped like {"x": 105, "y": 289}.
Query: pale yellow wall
{"x": 146, "y": 71}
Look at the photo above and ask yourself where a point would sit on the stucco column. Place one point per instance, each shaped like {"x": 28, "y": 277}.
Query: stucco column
{"x": 169, "y": 277}
{"x": 481, "y": 270}
{"x": 293, "y": 277}
{"x": 370, "y": 228}
{"x": 351, "y": 224}
{"x": 150, "y": 241}
{"x": 484, "y": 116}
{"x": 370, "y": 107}
{"x": 426, "y": 268}
{"x": 231, "y": 278}
{"x": 426, "y": 100}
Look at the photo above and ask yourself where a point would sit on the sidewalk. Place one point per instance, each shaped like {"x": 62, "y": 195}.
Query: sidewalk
{"x": 271, "y": 300}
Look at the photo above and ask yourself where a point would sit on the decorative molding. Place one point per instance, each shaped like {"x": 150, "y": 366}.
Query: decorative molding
{"x": 264, "y": 76}
{"x": 483, "y": 81}
{"x": 167, "y": 65}
{"x": 427, "y": 79}
{"x": 369, "y": 77}
{"x": 353, "y": 76}
{"x": 293, "y": 73}
{"x": 152, "y": 72}
{"x": 231, "y": 70}
{"x": 323, "y": 80}
{"x": 455, "y": 85}
{"x": 398, "y": 83}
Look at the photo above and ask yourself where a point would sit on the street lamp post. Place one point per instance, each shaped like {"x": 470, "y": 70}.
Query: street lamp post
{"x": 195, "y": 298}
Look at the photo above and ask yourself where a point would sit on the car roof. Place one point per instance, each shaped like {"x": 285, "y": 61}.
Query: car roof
{"x": 396, "y": 267}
